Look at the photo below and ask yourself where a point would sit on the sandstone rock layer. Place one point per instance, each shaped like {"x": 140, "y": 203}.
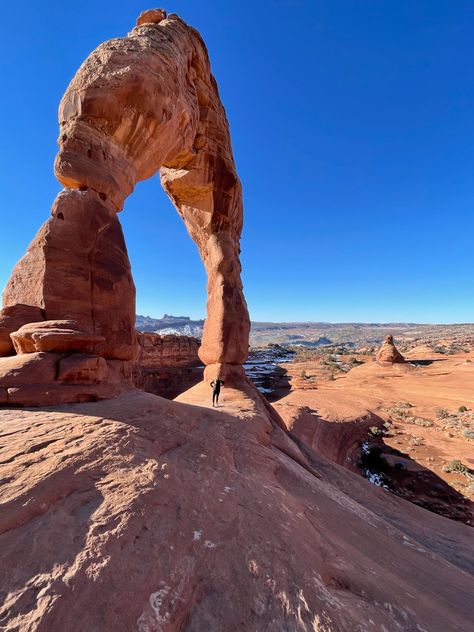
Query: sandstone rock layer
{"x": 167, "y": 365}
{"x": 139, "y": 104}
{"x": 144, "y": 514}
{"x": 388, "y": 353}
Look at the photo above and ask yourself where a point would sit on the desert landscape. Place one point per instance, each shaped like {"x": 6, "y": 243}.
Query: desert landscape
{"x": 331, "y": 486}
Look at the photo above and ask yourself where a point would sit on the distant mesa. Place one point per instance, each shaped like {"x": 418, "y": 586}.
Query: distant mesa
{"x": 388, "y": 353}
{"x": 168, "y": 324}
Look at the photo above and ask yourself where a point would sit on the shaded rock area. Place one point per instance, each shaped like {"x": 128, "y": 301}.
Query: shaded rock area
{"x": 388, "y": 353}
{"x": 167, "y": 365}
{"x": 144, "y": 514}
{"x": 338, "y": 440}
{"x": 262, "y": 368}
{"x": 137, "y": 105}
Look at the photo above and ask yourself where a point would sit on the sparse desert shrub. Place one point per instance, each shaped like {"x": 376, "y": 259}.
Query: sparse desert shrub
{"x": 458, "y": 467}
{"x": 469, "y": 434}
{"x": 421, "y": 421}
{"x": 439, "y": 349}
{"x": 463, "y": 409}
{"x": 400, "y": 410}
{"x": 442, "y": 413}
{"x": 303, "y": 375}
{"x": 403, "y": 405}
{"x": 375, "y": 431}
{"x": 354, "y": 361}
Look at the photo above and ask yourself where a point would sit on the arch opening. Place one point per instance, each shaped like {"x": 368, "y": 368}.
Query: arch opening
{"x": 167, "y": 270}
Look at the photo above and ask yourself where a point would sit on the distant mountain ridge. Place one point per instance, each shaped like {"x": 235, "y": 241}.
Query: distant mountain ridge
{"x": 168, "y": 320}
{"x": 290, "y": 333}
{"x": 182, "y": 325}
{"x": 316, "y": 334}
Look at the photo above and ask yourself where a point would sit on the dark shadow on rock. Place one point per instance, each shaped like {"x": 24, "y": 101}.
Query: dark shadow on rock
{"x": 412, "y": 481}
{"x": 424, "y": 361}
{"x": 274, "y": 385}
{"x": 168, "y": 382}
{"x": 338, "y": 441}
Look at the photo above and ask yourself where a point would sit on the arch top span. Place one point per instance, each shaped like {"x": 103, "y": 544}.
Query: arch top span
{"x": 137, "y": 105}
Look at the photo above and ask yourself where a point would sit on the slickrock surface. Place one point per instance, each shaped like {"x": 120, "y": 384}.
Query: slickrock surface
{"x": 419, "y": 418}
{"x": 138, "y": 104}
{"x": 144, "y": 514}
{"x": 167, "y": 365}
{"x": 389, "y": 353}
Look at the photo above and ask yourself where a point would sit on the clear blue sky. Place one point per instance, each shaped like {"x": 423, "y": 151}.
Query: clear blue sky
{"x": 353, "y": 131}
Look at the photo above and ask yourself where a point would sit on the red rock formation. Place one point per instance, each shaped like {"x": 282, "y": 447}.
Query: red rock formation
{"x": 144, "y": 514}
{"x": 167, "y": 365}
{"x": 11, "y": 319}
{"x": 389, "y": 353}
{"x": 157, "y": 351}
{"x": 138, "y": 104}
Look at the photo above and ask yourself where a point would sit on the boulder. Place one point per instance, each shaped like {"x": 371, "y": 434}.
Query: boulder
{"x": 59, "y": 336}
{"x": 152, "y": 16}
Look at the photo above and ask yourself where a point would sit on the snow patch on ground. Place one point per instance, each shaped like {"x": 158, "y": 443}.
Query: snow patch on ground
{"x": 375, "y": 479}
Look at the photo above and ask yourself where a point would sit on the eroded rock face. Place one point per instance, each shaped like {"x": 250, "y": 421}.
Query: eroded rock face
{"x": 389, "y": 353}
{"x": 166, "y": 365}
{"x": 56, "y": 336}
{"x": 157, "y": 351}
{"x": 11, "y": 319}
{"x": 43, "y": 378}
{"x": 138, "y": 104}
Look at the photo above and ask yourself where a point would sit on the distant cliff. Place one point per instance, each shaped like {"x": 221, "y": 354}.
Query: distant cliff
{"x": 181, "y": 325}
{"x": 292, "y": 333}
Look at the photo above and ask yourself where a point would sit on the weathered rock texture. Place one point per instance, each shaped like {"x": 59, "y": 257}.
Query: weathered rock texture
{"x": 144, "y": 514}
{"x": 157, "y": 351}
{"x": 167, "y": 365}
{"x": 138, "y": 104}
{"x": 11, "y": 319}
{"x": 388, "y": 352}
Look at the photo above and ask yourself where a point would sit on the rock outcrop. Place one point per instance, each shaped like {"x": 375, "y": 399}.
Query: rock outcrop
{"x": 139, "y": 104}
{"x": 167, "y": 365}
{"x": 388, "y": 353}
{"x": 161, "y": 351}
{"x": 144, "y": 514}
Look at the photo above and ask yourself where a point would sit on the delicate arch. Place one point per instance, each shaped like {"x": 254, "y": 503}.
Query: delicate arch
{"x": 137, "y": 105}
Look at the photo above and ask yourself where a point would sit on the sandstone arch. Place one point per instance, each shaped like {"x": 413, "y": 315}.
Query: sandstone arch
{"x": 138, "y": 105}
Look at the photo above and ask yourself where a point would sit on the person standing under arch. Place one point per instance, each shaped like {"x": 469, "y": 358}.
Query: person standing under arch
{"x": 216, "y": 389}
